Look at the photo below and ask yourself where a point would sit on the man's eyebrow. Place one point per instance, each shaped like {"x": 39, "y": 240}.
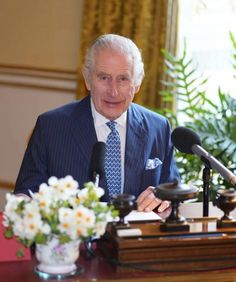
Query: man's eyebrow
{"x": 102, "y": 72}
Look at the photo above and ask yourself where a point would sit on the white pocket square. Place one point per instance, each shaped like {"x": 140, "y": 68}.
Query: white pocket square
{"x": 153, "y": 163}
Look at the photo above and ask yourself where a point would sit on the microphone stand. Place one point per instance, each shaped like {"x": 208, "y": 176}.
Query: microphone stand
{"x": 89, "y": 242}
{"x": 95, "y": 178}
{"x": 206, "y": 175}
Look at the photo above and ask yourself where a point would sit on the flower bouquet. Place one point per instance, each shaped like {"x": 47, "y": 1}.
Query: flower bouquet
{"x": 59, "y": 212}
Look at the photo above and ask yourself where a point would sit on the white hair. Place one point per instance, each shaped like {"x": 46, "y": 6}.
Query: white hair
{"x": 119, "y": 44}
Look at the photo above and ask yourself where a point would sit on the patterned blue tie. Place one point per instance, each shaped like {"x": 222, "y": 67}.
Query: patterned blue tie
{"x": 113, "y": 160}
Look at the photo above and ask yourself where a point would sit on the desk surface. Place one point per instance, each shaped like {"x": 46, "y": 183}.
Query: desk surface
{"x": 98, "y": 269}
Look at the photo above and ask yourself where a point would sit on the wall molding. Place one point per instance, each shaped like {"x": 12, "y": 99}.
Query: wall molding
{"x": 7, "y": 184}
{"x": 38, "y": 78}
{"x": 24, "y": 68}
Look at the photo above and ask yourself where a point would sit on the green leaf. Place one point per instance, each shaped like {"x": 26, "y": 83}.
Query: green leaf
{"x": 63, "y": 238}
{"x": 8, "y": 233}
{"x": 20, "y": 253}
{"x": 40, "y": 238}
{"x": 214, "y": 120}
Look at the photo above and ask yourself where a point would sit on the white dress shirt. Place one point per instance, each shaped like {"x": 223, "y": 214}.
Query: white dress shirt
{"x": 102, "y": 131}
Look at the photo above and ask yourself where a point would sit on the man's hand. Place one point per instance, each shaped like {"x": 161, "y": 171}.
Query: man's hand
{"x": 147, "y": 201}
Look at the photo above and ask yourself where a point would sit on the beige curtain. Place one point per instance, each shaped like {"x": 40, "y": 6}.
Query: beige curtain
{"x": 152, "y": 26}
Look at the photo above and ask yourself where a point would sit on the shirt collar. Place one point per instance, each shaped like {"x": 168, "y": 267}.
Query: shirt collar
{"x": 100, "y": 120}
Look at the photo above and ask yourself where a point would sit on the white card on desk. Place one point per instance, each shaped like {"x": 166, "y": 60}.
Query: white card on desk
{"x": 142, "y": 216}
{"x": 132, "y": 232}
{"x": 138, "y": 216}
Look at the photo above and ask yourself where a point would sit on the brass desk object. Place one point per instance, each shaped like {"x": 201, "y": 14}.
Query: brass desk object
{"x": 226, "y": 201}
{"x": 124, "y": 203}
{"x": 175, "y": 193}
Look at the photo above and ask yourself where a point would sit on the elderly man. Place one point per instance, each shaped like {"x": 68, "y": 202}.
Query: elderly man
{"x": 138, "y": 139}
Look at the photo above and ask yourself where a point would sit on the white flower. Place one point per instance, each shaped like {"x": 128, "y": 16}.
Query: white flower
{"x": 46, "y": 229}
{"x": 67, "y": 221}
{"x": 12, "y": 204}
{"x": 31, "y": 211}
{"x": 53, "y": 181}
{"x": 100, "y": 228}
{"x": 97, "y": 190}
{"x": 65, "y": 188}
{"x": 85, "y": 220}
{"x": 32, "y": 220}
{"x": 83, "y": 194}
{"x": 70, "y": 183}
{"x": 58, "y": 208}
{"x": 31, "y": 228}
{"x": 19, "y": 228}
{"x": 44, "y": 198}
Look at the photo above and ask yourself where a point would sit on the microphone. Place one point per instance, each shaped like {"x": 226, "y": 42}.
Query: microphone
{"x": 96, "y": 167}
{"x": 187, "y": 141}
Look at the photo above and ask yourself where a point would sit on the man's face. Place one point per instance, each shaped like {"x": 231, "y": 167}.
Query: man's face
{"x": 112, "y": 83}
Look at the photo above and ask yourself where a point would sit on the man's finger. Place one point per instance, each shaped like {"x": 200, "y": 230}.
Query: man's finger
{"x": 149, "y": 203}
{"x": 144, "y": 194}
{"x": 153, "y": 204}
{"x": 163, "y": 206}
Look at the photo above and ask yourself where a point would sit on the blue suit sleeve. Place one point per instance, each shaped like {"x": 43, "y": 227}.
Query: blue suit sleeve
{"x": 33, "y": 169}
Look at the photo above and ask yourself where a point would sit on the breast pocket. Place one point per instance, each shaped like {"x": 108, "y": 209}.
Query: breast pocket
{"x": 152, "y": 174}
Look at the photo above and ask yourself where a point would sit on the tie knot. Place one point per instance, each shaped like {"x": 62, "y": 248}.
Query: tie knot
{"x": 112, "y": 125}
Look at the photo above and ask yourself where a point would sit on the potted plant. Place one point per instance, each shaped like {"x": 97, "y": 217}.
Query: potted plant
{"x": 213, "y": 121}
{"x": 57, "y": 218}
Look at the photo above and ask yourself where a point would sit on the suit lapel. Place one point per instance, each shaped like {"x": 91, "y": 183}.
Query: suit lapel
{"x": 82, "y": 128}
{"x": 136, "y": 137}
{"x": 84, "y": 134}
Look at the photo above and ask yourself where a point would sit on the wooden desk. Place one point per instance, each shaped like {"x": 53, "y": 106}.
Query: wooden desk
{"x": 97, "y": 269}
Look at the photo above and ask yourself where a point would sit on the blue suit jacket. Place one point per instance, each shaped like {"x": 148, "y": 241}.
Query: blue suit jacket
{"x": 62, "y": 142}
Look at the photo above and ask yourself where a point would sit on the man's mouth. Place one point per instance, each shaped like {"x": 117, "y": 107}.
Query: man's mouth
{"x": 113, "y": 103}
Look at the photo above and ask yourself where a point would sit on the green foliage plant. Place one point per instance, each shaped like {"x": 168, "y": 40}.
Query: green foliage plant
{"x": 213, "y": 121}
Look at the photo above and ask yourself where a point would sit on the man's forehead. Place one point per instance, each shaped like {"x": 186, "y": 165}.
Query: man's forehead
{"x": 112, "y": 53}
{"x": 113, "y": 61}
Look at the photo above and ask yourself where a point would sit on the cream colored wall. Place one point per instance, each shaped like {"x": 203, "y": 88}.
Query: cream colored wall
{"x": 19, "y": 110}
{"x": 40, "y": 33}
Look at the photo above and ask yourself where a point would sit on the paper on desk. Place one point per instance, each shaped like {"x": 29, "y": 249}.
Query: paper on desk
{"x": 138, "y": 216}
{"x": 142, "y": 216}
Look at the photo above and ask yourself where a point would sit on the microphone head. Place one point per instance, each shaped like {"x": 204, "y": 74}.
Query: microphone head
{"x": 97, "y": 160}
{"x": 184, "y": 138}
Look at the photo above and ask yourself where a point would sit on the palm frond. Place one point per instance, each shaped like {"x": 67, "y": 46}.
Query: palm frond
{"x": 215, "y": 122}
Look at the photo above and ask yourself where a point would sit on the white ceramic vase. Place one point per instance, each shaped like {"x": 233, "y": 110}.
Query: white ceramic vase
{"x": 56, "y": 258}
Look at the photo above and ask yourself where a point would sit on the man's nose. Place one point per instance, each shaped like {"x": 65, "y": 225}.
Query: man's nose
{"x": 113, "y": 88}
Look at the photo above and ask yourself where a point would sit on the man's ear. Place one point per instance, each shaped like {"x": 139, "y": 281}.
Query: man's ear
{"x": 87, "y": 81}
{"x": 137, "y": 89}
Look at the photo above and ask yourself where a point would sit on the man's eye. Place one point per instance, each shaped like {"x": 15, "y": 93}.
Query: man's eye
{"x": 124, "y": 78}
{"x": 103, "y": 77}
